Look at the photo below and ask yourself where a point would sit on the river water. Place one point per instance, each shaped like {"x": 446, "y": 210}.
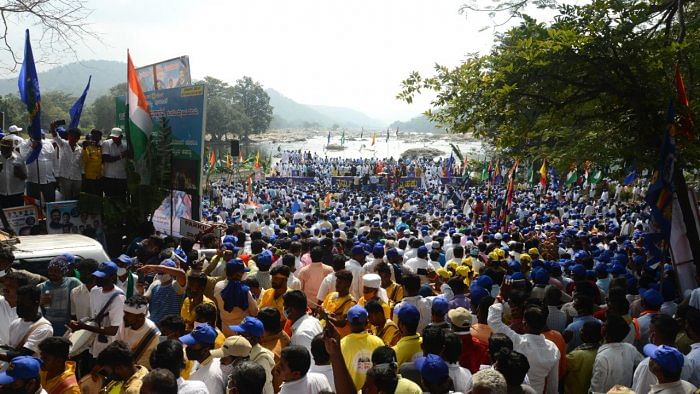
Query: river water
{"x": 356, "y": 147}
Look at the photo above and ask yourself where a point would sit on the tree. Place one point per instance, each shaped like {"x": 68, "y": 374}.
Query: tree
{"x": 103, "y": 109}
{"x": 14, "y": 109}
{"x": 58, "y": 26}
{"x": 224, "y": 114}
{"x": 255, "y": 104}
{"x": 592, "y": 85}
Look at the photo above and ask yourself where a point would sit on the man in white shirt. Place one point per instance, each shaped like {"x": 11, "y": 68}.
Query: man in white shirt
{"x": 541, "y": 353}
{"x": 13, "y": 175}
{"x": 411, "y": 286}
{"x": 169, "y": 355}
{"x": 80, "y": 296}
{"x": 14, "y": 136}
{"x": 304, "y": 326}
{"x": 114, "y": 164}
{"x": 29, "y": 328}
{"x": 107, "y": 307}
{"x": 294, "y": 365}
{"x": 354, "y": 265}
{"x": 419, "y": 265}
{"x": 138, "y": 331}
{"x": 666, "y": 364}
{"x": 615, "y": 361}
{"x": 40, "y": 172}
{"x": 206, "y": 368}
{"x": 69, "y": 174}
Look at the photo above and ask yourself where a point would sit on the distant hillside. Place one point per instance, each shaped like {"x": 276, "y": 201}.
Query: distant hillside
{"x": 72, "y": 78}
{"x": 347, "y": 117}
{"x": 419, "y": 124}
{"x": 289, "y": 113}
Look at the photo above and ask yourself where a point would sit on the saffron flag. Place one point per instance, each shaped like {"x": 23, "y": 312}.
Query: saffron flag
{"x": 686, "y": 121}
{"x": 139, "y": 123}
{"x": 229, "y": 161}
{"x": 212, "y": 159}
{"x": 257, "y": 160}
{"x": 543, "y": 174}
{"x": 77, "y": 109}
{"x": 28, "y": 84}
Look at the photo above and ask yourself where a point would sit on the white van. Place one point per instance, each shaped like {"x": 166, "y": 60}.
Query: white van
{"x": 33, "y": 252}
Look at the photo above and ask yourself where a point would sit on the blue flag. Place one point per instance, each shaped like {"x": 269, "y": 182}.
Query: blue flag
{"x": 554, "y": 178}
{"x": 77, "y": 109}
{"x": 631, "y": 175}
{"x": 28, "y": 84}
{"x": 660, "y": 193}
{"x": 449, "y": 166}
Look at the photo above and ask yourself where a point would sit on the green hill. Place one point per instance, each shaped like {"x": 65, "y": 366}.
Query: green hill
{"x": 419, "y": 124}
{"x": 72, "y": 78}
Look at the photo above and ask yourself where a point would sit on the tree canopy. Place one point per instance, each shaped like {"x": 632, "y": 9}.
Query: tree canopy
{"x": 594, "y": 84}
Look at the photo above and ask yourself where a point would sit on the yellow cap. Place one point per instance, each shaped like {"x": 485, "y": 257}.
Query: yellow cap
{"x": 501, "y": 253}
{"x": 468, "y": 262}
{"x": 452, "y": 265}
{"x": 445, "y": 274}
{"x": 493, "y": 256}
{"x": 533, "y": 252}
{"x": 463, "y": 270}
{"x": 525, "y": 258}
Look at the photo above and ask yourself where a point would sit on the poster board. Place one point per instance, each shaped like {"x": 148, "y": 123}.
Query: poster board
{"x": 21, "y": 219}
{"x": 171, "y": 73}
{"x": 192, "y": 228}
{"x": 64, "y": 217}
{"x": 177, "y": 205}
{"x": 185, "y": 108}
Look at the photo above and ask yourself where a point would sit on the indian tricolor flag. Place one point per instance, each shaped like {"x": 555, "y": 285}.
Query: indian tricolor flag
{"x": 139, "y": 120}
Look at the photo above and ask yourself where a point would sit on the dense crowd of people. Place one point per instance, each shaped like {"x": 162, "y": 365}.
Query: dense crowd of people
{"x": 65, "y": 167}
{"x": 312, "y": 288}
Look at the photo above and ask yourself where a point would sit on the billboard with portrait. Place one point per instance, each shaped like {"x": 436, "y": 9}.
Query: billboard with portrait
{"x": 64, "y": 217}
{"x": 171, "y": 73}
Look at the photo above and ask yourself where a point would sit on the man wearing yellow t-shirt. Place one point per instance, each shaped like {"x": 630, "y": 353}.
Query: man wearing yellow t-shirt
{"x": 357, "y": 347}
{"x": 273, "y": 297}
{"x": 408, "y": 348}
{"x": 394, "y": 291}
{"x": 382, "y": 327}
{"x": 337, "y": 304}
{"x": 57, "y": 373}
{"x": 196, "y": 283}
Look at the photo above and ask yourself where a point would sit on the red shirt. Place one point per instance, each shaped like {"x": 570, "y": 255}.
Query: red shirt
{"x": 474, "y": 352}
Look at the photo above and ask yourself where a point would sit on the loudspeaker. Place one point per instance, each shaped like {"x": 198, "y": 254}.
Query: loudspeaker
{"x": 235, "y": 148}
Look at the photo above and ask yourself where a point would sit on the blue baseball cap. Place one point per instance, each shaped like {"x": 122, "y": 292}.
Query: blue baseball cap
{"x": 440, "y": 306}
{"x": 540, "y": 276}
{"x": 204, "y": 334}
{"x": 433, "y": 369}
{"x": 578, "y": 270}
{"x": 358, "y": 249}
{"x": 236, "y": 265}
{"x": 667, "y": 357}
{"x": 652, "y": 298}
{"x": 477, "y": 293}
{"x": 125, "y": 259}
{"x": 357, "y": 315}
{"x": 485, "y": 282}
{"x": 618, "y": 269}
{"x": 168, "y": 263}
{"x": 422, "y": 250}
{"x": 409, "y": 314}
{"x": 249, "y": 325}
{"x": 391, "y": 253}
{"x": 105, "y": 269}
{"x": 22, "y": 368}
{"x": 378, "y": 249}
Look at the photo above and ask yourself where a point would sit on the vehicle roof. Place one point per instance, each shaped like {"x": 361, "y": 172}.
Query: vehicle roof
{"x": 36, "y": 244}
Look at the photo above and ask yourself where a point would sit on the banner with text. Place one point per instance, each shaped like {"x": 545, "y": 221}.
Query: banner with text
{"x": 22, "y": 219}
{"x": 177, "y": 205}
{"x": 185, "y": 110}
{"x": 291, "y": 180}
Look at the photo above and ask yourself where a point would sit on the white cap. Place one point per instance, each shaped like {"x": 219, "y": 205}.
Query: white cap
{"x": 498, "y": 236}
{"x": 371, "y": 280}
{"x": 14, "y": 129}
{"x": 116, "y": 132}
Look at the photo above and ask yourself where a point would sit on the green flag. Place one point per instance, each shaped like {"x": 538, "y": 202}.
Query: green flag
{"x": 342, "y": 138}
{"x": 530, "y": 177}
{"x": 596, "y": 177}
{"x": 484, "y": 173}
{"x": 571, "y": 177}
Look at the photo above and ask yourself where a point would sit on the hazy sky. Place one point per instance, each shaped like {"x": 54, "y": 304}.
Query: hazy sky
{"x": 327, "y": 52}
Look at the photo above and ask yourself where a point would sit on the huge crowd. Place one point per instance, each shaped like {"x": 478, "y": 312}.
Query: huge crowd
{"x": 312, "y": 288}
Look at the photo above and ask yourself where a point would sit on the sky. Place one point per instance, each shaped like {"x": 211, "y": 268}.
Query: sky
{"x": 339, "y": 53}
